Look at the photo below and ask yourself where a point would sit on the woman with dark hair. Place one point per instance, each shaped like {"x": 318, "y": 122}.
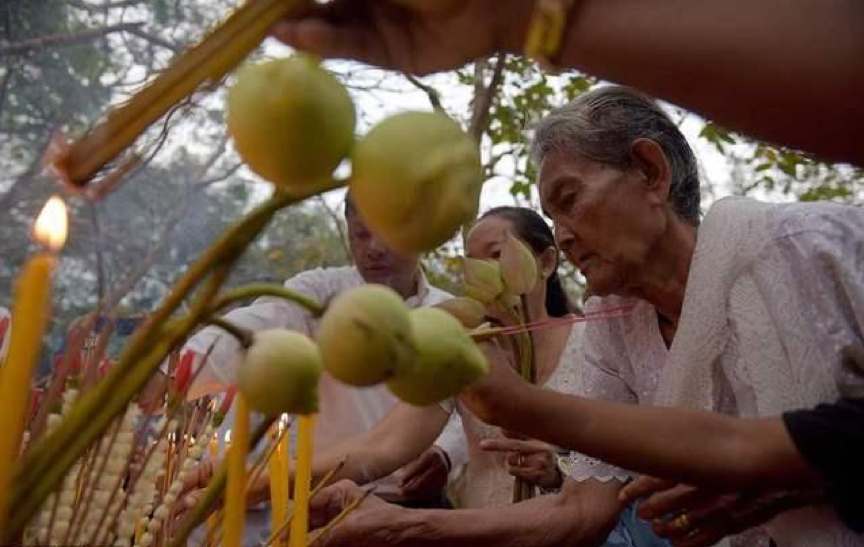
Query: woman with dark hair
{"x": 484, "y": 517}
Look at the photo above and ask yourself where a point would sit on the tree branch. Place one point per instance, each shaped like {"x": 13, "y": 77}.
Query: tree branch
{"x": 154, "y": 39}
{"x": 81, "y": 4}
{"x": 337, "y": 221}
{"x": 63, "y": 39}
{"x": 483, "y": 97}
{"x": 431, "y": 93}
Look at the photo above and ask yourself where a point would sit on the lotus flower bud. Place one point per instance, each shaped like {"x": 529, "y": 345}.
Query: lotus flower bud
{"x": 518, "y": 266}
{"x": 416, "y": 178}
{"x": 481, "y": 280}
{"x": 280, "y": 373}
{"x": 468, "y": 311}
{"x": 365, "y": 336}
{"x": 292, "y": 121}
{"x": 447, "y": 359}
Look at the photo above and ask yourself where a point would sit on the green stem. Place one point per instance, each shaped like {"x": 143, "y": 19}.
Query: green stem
{"x": 522, "y": 490}
{"x": 214, "y": 491}
{"x": 42, "y": 468}
{"x": 244, "y": 336}
{"x": 254, "y": 290}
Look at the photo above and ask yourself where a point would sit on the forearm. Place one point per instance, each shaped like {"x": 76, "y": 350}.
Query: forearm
{"x": 547, "y": 521}
{"x": 696, "y": 447}
{"x": 718, "y": 57}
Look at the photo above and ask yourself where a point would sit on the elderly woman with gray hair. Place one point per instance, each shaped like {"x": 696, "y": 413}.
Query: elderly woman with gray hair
{"x": 746, "y": 312}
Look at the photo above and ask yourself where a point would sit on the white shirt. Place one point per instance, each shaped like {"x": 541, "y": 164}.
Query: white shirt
{"x": 773, "y": 293}
{"x": 487, "y": 481}
{"x": 344, "y": 411}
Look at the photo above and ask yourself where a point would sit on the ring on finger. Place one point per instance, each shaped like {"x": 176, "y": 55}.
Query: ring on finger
{"x": 681, "y": 522}
{"x": 520, "y": 460}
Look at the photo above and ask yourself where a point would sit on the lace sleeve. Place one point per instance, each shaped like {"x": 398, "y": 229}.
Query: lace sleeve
{"x": 599, "y": 378}
{"x": 580, "y": 467}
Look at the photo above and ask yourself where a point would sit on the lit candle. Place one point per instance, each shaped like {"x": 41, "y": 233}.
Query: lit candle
{"x": 30, "y": 315}
{"x": 302, "y": 481}
{"x": 213, "y": 520}
{"x": 279, "y": 473}
{"x": 235, "y": 495}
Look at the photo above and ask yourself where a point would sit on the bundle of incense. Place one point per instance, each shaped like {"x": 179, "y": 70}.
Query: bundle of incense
{"x": 214, "y": 57}
{"x": 611, "y": 312}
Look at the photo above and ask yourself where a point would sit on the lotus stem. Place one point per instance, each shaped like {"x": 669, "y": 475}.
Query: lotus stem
{"x": 43, "y": 467}
{"x": 255, "y": 290}
{"x": 244, "y": 336}
{"x": 211, "y": 59}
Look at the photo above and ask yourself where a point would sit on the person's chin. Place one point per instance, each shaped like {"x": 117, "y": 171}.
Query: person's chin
{"x": 599, "y": 284}
{"x": 380, "y": 277}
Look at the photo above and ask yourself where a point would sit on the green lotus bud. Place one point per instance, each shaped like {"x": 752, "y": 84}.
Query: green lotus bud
{"x": 468, "y": 311}
{"x": 448, "y": 360}
{"x": 365, "y": 336}
{"x": 280, "y": 373}
{"x": 416, "y": 178}
{"x": 518, "y": 266}
{"x": 292, "y": 121}
{"x": 481, "y": 280}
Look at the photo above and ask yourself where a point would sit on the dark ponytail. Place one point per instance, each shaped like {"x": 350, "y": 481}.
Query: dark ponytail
{"x": 530, "y": 227}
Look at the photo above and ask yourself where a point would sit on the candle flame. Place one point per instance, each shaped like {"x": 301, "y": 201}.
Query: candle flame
{"x": 51, "y": 225}
{"x": 227, "y": 437}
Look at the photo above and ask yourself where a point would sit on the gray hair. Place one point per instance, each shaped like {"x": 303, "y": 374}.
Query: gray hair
{"x": 602, "y": 124}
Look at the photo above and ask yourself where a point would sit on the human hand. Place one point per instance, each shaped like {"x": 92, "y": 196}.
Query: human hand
{"x": 439, "y": 35}
{"x": 194, "y": 486}
{"x": 695, "y": 517}
{"x": 373, "y": 523}
{"x": 426, "y": 476}
{"x": 533, "y": 461}
{"x": 495, "y": 397}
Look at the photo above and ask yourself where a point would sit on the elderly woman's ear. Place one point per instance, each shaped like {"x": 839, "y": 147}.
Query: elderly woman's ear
{"x": 649, "y": 160}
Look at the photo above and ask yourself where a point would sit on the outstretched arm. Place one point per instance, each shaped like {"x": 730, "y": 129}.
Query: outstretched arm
{"x": 695, "y": 447}
{"x": 582, "y": 514}
{"x": 788, "y": 73}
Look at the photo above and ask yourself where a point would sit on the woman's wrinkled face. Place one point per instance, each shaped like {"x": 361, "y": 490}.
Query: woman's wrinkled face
{"x": 606, "y": 219}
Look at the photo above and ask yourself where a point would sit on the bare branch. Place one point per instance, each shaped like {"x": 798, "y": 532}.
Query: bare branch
{"x": 154, "y": 39}
{"x": 431, "y": 92}
{"x": 81, "y": 4}
{"x": 338, "y": 222}
{"x": 63, "y": 39}
{"x": 483, "y": 97}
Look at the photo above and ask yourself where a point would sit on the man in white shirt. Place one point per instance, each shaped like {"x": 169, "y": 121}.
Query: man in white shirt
{"x": 344, "y": 410}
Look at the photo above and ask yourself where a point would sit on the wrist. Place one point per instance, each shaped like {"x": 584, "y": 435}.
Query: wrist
{"x": 511, "y": 25}
{"x": 445, "y": 457}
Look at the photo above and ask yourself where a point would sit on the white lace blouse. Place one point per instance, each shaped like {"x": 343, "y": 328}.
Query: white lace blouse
{"x": 486, "y": 481}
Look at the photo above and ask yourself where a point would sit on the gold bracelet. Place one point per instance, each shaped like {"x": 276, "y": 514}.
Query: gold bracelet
{"x": 546, "y": 31}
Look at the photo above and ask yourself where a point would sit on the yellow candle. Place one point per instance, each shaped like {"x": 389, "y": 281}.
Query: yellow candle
{"x": 30, "y": 316}
{"x": 235, "y": 495}
{"x": 279, "y": 482}
{"x": 302, "y": 481}
{"x": 212, "y": 520}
